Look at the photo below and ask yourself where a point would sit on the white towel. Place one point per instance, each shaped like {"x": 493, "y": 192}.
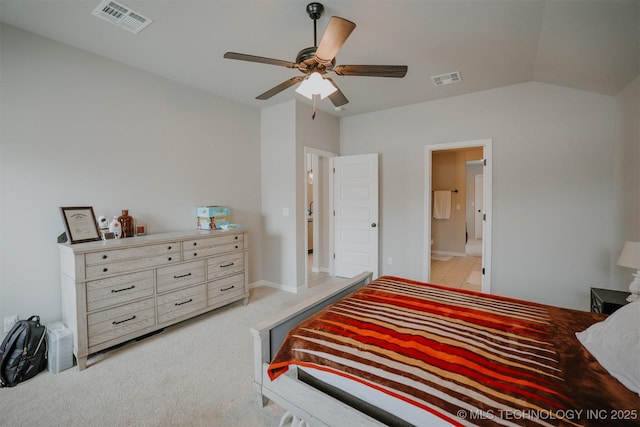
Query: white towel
{"x": 441, "y": 204}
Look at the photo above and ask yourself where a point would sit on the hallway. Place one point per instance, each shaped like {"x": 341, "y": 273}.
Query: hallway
{"x": 457, "y": 272}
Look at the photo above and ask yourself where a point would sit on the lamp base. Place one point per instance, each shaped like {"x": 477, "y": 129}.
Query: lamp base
{"x": 634, "y": 287}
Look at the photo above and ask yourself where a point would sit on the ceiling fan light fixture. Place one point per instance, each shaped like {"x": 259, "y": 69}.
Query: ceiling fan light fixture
{"x": 315, "y": 84}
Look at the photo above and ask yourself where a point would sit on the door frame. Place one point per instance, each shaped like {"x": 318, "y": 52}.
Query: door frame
{"x": 478, "y": 198}
{"x": 316, "y": 227}
{"x": 487, "y": 150}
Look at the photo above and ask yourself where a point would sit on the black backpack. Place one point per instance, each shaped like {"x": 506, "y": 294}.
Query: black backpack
{"x": 23, "y": 352}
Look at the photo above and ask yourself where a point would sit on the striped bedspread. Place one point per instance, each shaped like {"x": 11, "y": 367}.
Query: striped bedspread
{"x": 468, "y": 358}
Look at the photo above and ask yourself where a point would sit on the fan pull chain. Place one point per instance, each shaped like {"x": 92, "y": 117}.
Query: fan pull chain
{"x": 314, "y": 96}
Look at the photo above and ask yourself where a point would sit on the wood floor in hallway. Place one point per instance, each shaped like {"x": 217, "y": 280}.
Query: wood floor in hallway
{"x": 458, "y": 272}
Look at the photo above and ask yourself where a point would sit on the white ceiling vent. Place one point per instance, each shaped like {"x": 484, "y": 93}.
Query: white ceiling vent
{"x": 121, "y": 16}
{"x": 448, "y": 78}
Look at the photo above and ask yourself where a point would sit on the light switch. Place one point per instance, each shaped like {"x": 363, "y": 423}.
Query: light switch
{"x": 458, "y": 206}
{"x": 285, "y": 211}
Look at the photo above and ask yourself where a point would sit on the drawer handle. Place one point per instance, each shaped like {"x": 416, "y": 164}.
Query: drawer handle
{"x": 236, "y": 237}
{"x": 226, "y": 265}
{"x": 180, "y": 277}
{"x": 113, "y": 291}
{"x": 104, "y": 270}
{"x": 185, "y": 302}
{"x": 195, "y": 243}
{"x": 168, "y": 248}
{"x": 226, "y": 289}
{"x": 125, "y": 320}
{"x": 104, "y": 257}
{"x": 169, "y": 259}
{"x": 195, "y": 254}
{"x": 236, "y": 246}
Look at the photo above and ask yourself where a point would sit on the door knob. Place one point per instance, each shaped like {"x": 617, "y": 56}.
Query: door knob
{"x": 374, "y": 225}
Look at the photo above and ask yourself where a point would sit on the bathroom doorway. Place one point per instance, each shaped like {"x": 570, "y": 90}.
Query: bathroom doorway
{"x": 317, "y": 215}
{"x": 457, "y": 248}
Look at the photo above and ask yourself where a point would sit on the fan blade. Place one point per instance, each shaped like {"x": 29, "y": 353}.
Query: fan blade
{"x": 371, "y": 70}
{"x": 333, "y": 38}
{"x": 260, "y": 59}
{"x": 282, "y": 86}
{"x": 337, "y": 98}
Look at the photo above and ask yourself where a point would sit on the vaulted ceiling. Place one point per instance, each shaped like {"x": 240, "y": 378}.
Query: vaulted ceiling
{"x": 591, "y": 45}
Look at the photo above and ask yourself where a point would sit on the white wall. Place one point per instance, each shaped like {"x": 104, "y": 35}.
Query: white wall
{"x": 626, "y": 188}
{"x": 553, "y": 175}
{"x": 77, "y": 129}
{"x": 278, "y": 183}
{"x": 285, "y": 130}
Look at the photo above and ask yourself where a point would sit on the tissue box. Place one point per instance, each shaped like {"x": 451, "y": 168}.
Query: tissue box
{"x": 216, "y": 223}
{"x": 213, "y": 211}
{"x": 60, "y": 347}
{"x": 213, "y": 217}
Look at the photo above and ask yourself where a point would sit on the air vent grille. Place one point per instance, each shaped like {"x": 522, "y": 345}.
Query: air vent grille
{"x": 121, "y": 16}
{"x": 448, "y": 78}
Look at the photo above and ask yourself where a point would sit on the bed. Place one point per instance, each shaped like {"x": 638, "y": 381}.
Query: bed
{"x": 393, "y": 351}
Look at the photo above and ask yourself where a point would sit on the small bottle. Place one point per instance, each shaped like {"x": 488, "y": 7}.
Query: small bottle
{"x": 115, "y": 227}
{"x": 126, "y": 221}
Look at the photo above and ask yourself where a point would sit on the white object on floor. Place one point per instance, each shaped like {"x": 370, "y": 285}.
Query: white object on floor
{"x": 475, "y": 278}
{"x": 60, "y": 347}
{"x": 440, "y": 258}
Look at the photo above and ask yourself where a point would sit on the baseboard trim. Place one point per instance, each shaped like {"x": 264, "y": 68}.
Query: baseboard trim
{"x": 278, "y": 286}
{"x": 446, "y": 253}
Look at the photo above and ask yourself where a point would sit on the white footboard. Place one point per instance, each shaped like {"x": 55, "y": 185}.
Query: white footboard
{"x": 269, "y": 335}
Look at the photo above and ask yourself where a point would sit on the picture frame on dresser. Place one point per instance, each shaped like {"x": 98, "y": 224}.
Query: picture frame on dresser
{"x": 80, "y": 224}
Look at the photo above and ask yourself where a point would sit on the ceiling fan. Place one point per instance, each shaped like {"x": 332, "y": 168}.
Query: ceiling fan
{"x": 314, "y": 62}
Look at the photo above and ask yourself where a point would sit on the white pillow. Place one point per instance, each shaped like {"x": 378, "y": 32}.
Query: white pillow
{"x": 615, "y": 343}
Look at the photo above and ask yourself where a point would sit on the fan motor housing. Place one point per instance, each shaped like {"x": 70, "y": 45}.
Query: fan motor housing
{"x": 305, "y": 54}
{"x": 306, "y": 61}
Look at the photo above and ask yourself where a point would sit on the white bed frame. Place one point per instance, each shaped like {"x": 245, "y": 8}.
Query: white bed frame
{"x": 300, "y": 399}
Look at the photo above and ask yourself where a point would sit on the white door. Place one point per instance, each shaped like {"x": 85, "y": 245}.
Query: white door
{"x": 356, "y": 214}
{"x": 477, "y": 202}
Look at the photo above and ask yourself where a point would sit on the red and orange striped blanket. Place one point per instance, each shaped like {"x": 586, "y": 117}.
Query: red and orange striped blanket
{"x": 465, "y": 357}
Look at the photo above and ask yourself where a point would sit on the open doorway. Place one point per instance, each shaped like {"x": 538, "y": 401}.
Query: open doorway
{"x": 457, "y": 236}
{"x": 317, "y": 218}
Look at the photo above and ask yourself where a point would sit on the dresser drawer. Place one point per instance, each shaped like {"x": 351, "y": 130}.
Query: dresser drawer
{"x": 225, "y": 265}
{"x": 113, "y": 255}
{"x": 97, "y": 271}
{"x": 180, "y": 303}
{"x": 119, "y": 289}
{"x": 113, "y": 323}
{"x": 222, "y": 289}
{"x": 178, "y": 276}
{"x": 199, "y": 248}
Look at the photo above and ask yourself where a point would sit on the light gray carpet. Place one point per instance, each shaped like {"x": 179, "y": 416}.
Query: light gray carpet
{"x": 197, "y": 373}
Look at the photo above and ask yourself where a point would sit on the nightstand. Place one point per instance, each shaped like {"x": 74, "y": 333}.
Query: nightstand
{"x": 606, "y": 301}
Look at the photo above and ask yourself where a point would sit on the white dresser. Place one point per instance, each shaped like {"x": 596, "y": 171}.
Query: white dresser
{"x": 116, "y": 290}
